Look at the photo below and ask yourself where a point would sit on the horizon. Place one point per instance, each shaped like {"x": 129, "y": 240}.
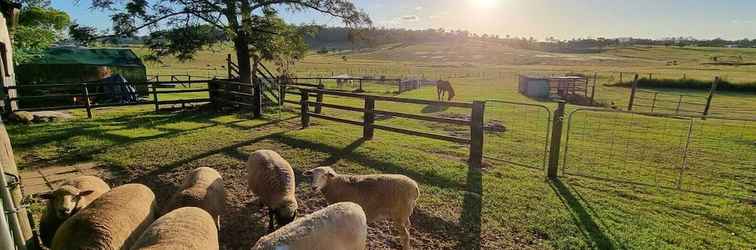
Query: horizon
{"x": 540, "y": 19}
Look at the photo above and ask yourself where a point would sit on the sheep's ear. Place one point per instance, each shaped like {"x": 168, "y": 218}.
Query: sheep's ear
{"x": 85, "y": 192}
{"x": 307, "y": 173}
{"x": 46, "y": 196}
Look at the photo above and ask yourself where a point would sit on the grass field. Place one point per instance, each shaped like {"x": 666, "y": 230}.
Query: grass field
{"x": 629, "y": 199}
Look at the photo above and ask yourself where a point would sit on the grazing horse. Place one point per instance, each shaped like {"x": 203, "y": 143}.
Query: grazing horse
{"x": 443, "y": 87}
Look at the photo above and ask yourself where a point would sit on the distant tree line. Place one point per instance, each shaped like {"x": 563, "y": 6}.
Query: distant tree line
{"x": 339, "y": 38}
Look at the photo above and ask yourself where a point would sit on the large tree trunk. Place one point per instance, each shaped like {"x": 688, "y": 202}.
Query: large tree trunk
{"x": 242, "y": 56}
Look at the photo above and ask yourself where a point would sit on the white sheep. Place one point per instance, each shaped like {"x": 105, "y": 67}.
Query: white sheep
{"x": 381, "y": 196}
{"x": 341, "y": 226}
{"x": 270, "y": 177}
{"x": 202, "y": 188}
{"x": 188, "y": 228}
{"x": 72, "y": 196}
{"x": 113, "y": 221}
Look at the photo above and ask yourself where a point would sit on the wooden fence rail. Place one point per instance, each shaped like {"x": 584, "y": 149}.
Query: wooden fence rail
{"x": 369, "y": 113}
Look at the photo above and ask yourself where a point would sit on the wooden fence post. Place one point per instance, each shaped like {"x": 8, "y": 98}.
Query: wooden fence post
{"x": 653, "y": 102}
{"x": 281, "y": 92}
{"x": 211, "y": 93}
{"x": 368, "y": 118}
{"x": 87, "y": 104}
{"x": 556, "y": 140}
{"x": 476, "y": 134}
{"x": 228, "y": 66}
{"x": 632, "y": 93}
{"x": 155, "y": 97}
{"x": 620, "y": 79}
{"x": 679, "y": 102}
{"x": 303, "y": 103}
{"x": 319, "y": 98}
{"x": 257, "y": 89}
{"x": 711, "y": 95}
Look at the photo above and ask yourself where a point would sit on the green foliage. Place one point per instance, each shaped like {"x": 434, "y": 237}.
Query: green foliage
{"x": 39, "y": 27}
{"x": 183, "y": 42}
{"x": 692, "y": 84}
{"x": 30, "y": 41}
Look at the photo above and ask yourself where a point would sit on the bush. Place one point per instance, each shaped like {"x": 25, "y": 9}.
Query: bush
{"x": 689, "y": 84}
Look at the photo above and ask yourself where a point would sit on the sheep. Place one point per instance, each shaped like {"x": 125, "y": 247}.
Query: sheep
{"x": 341, "y": 226}
{"x": 72, "y": 196}
{"x": 113, "y": 221}
{"x": 270, "y": 177}
{"x": 381, "y": 196}
{"x": 183, "y": 228}
{"x": 202, "y": 188}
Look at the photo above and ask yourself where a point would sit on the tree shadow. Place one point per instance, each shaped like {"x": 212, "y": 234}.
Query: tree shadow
{"x": 433, "y": 108}
{"x": 588, "y": 227}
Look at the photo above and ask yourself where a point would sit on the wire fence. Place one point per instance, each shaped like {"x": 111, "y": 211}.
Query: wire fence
{"x": 653, "y": 101}
{"x": 517, "y": 133}
{"x": 710, "y": 156}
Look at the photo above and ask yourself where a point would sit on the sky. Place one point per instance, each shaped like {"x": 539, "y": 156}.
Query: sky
{"x": 562, "y": 19}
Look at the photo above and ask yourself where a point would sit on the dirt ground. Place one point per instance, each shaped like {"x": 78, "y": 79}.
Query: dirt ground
{"x": 245, "y": 220}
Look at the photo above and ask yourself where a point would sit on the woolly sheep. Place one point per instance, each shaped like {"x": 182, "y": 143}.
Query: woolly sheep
{"x": 72, "y": 196}
{"x": 202, "y": 188}
{"x": 270, "y": 177}
{"x": 341, "y": 226}
{"x": 188, "y": 228}
{"x": 381, "y": 196}
{"x": 113, "y": 221}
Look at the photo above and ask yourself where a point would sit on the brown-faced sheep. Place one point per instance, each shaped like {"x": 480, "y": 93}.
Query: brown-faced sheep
{"x": 113, "y": 221}
{"x": 341, "y": 226}
{"x": 202, "y": 188}
{"x": 72, "y": 196}
{"x": 187, "y": 228}
{"x": 381, "y": 196}
{"x": 270, "y": 177}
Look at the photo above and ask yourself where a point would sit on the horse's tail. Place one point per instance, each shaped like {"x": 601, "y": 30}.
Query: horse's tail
{"x": 451, "y": 91}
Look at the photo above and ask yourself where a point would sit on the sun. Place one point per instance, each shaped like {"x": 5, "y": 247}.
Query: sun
{"x": 485, "y": 3}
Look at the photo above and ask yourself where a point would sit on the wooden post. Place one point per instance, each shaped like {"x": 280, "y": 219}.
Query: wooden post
{"x": 211, "y": 93}
{"x": 679, "y": 102}
{"x": 87, "y": 104}
{"x": 653, "y": 102}
{"x": 12, "y": 195}
{"x": 304, "y": 108}
{"x": 281, "y": 92}
{"x": 556, "y": 140}
{"x": 257, "y": 88}
{"x": 319, "y": 98}
{"x": 650, "y": 76}
{"x": 368, "y": 118}
{"x": 228, "y": 66}
{"x": 620, "y": 77}
{"x": 155, "y": 97}
{"x": 632, "y": 93}
{"x": 476, "y": 134}
{"x": 360, "y": 90}
{"x": 711, "y": 95}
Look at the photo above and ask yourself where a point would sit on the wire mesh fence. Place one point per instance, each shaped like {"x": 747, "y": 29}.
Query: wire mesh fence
{"x": 652, "y": 101}
{"x": 711, "y": 156}
{"x": 517, "y": 133}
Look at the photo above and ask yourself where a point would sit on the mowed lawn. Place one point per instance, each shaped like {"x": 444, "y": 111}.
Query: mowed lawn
{"x": 507, "y": 204}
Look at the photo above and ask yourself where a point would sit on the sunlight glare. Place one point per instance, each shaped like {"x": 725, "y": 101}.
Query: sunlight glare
{"x": 486, "y": 3}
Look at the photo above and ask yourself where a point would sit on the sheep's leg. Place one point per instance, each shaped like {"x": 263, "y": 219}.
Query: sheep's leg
{"x": 404, "y": 234}
{"x": 271, "y": 227}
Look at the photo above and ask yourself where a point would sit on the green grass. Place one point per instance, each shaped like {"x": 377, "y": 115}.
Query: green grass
{"x": 628, "y": 200}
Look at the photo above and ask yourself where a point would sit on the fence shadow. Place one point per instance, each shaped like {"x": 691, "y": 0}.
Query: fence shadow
{"x": 588, "y": 226}
{"x": 470, "y": 220}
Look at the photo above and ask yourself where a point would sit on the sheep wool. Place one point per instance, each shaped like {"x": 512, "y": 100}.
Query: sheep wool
{"x": 70, "y": 197}
{"x": 271, "y": 178}
{"x": 341, "y": 226}
{"x": 202, "y": 188}
{"x": 380, "y": 196}
{"x": 113, "y": 221}
{"x": 187, "y": 228}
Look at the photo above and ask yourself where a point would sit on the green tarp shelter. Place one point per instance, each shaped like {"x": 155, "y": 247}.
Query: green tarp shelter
{"x": 73, "y": 64}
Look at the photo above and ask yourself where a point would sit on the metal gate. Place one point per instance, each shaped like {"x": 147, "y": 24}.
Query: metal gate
{"x": 707, "y": 155}
{"x": 517, "y": 133}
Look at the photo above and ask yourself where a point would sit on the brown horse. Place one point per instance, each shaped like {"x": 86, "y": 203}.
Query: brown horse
{"x": 443, "y": 87}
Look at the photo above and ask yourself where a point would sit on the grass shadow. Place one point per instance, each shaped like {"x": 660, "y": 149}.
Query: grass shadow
{"x": 470, "y": 220}
{"x": 433, "y": 108}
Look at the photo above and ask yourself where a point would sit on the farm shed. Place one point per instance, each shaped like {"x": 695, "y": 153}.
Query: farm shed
{"x": 555, "y": 86}
{"x": 73, "y": 65}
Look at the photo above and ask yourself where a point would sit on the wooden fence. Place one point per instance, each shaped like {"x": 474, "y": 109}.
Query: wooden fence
{"x": 369, "y": 111}
{"x": 83, "y": 92}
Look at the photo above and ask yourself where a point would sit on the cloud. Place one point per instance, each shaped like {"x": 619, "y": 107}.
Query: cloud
{"x": 410, "y": 18}
{"x": 742, "y": 21}
{"x": 419, "y": 8}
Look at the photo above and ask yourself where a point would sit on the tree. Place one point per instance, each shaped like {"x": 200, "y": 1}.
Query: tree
{"x": 243, "y": 21}
{"x": 38, "y": 28}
